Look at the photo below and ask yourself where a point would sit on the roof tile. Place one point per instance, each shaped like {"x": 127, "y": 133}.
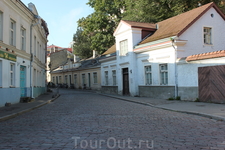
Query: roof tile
{"x": 215, "y": 54}
{"x": 176, "y": 25}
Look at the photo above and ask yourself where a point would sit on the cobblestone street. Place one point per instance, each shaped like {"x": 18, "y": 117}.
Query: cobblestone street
{"x": 85, "y": 120}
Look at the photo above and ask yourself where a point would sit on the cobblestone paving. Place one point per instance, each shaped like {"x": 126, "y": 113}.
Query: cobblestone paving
{"x": 84, "y": 120}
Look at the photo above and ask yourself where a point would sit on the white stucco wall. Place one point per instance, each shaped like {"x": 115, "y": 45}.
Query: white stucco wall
{"x": 133, "y": 36}
{"x": 23, "y": 18}
{"x": 155, "y": 58}
{"x": 194, "y": 35}
{"x": 188, "y": 71}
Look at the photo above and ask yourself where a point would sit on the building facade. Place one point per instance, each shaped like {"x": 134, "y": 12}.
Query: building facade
{"x": 23, "y": 40}
{"x": 79, "y": 74}
{"x": 148, "y": 55}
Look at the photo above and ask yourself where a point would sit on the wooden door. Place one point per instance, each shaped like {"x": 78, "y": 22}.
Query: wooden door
{"x": 126, "y": 81}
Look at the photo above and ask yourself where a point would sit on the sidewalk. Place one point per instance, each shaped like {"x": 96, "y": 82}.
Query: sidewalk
{"x": 20, "y": 108}
{"x": 209, "y": 110}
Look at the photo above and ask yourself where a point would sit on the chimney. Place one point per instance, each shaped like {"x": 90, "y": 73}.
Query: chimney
{"x": 157, "y": 26}
{"x": 94, "y": 53}
{"x": 75, "y": 58}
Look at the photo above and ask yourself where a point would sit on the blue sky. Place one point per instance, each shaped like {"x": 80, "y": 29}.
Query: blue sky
{"x": 61, "y": 17}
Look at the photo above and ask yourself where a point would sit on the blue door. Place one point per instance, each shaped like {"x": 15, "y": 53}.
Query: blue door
{"x": 22, "y": 81}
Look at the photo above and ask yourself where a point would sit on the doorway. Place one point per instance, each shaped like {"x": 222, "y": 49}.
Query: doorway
{"x": 22, "y": 81}
{"x": 126, "y": 82}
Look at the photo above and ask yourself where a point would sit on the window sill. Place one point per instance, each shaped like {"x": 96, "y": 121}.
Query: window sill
{"x": 12, "y": 87}
{"x": 208, "y": 44}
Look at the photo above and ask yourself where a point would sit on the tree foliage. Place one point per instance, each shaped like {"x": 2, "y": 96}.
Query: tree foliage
{"x": 82, "y": 44}
{"x": 157, "y": 10}
{"x": 99, "y": 26}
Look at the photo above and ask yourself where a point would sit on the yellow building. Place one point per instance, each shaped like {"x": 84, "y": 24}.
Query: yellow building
{"x": 84, "y": 74}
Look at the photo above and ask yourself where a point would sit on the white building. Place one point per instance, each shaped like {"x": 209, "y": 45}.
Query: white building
{"x": 23, "y": 40}
{"x": 147, "y": 59}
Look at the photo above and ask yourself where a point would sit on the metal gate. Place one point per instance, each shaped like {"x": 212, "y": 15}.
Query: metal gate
{"x": 211, "y": 82}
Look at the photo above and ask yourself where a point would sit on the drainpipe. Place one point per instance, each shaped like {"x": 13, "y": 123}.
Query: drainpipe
{"x": 31, "y": 53}
{"x": 175, "y": 68}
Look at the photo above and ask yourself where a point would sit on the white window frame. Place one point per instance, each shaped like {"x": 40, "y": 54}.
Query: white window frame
{"x": 123, "y": 47}
{"x": 95, "y": 77}
{"x": 207, "y": 35}
{"x": 148, "y": 75}
{"x": 114, "y": 77}
{"x": 23, "y": 38}
{"x": 1, "y": 26}
{"x": 12, "y": 34}
{"x": 12, "y": 75}
{"x": 163, "y": 74}
{"x": 106, "y": 78}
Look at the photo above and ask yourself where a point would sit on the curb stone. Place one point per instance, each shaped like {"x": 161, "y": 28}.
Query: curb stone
{"x": 27, "y": 110}
{"x": 186, "y": 112}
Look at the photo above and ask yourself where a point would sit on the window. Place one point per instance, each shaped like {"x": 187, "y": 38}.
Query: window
{"x": 163, "y": 74}
{"x": 65, "y": 81}
{"x": 40, "y": 56}
{"x": 34, "y": 78}
{"x": 1, "y": 73}
{"x": 23, "y": 38}
{"x": 207, "y": 35}
{"x": 114, "y": 77}
{"x": 75, "y": 79}
{"x": 1, "y": 25}
{"x": 53, "y": 79}
{"x": 37, "y": 52}
{"x": 148, "y": 75}
{"x": 60, "y": 79}
{"x": 12, "y": 74}
{"x": 12, "y": 34}
{"x": 106, "y": 78}
{"x": 57, "y": 80}
{"x": 95, "y": 77}
{"x": 123, "y": 48}
{"x": 35, "y": 45}
{"x": 83, "y": 79}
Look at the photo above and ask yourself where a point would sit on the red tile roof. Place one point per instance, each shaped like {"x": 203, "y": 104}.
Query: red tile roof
{"x": 176, "y": 25}
{"x": 69, "y": 49}
{"x": 51, "y": 46}
{"x": 215, "y": 54}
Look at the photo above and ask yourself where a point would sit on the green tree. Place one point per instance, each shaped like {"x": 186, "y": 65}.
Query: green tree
{"x": 157, "y": 10}
{"x": 100, "y": 25}
{"x": 81, "y": 44}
